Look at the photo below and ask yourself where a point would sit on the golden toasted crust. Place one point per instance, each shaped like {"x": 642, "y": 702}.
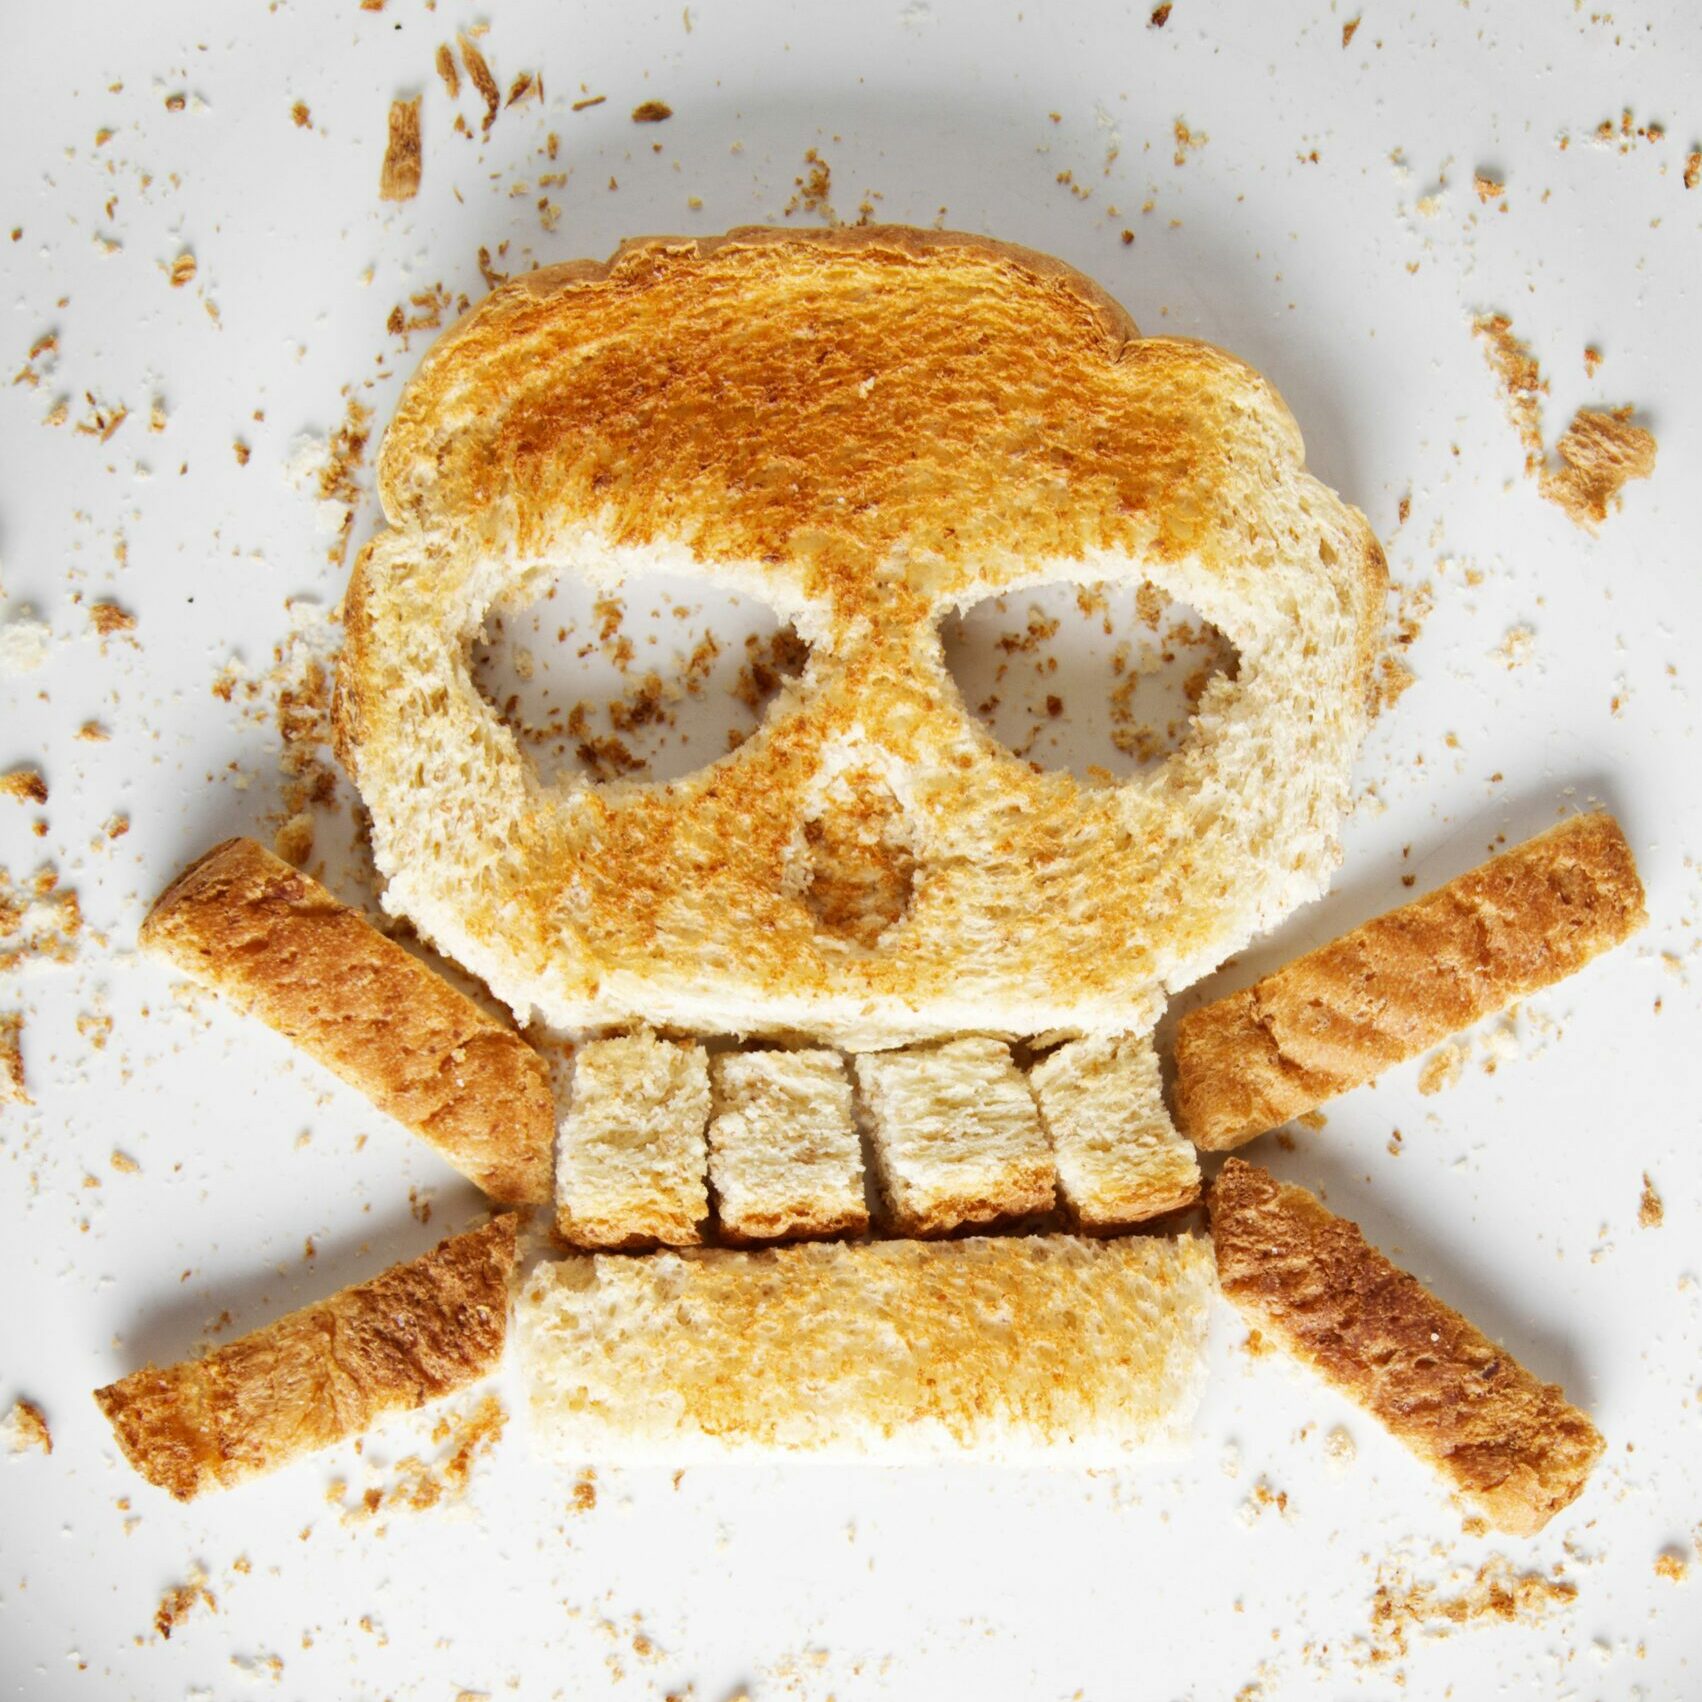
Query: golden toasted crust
{"x": 419, "y": 1331}
{"x": 280, "y": 947}
{"x": 865, "y": 429}
{"x": 1599, "y": 454}
{"x": 1333, "y": 1019}
{"x": 1511, "y": 1445}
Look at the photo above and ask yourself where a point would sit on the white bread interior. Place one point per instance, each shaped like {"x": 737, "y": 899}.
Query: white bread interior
{"x": 1120, "y": 1160}
{"x": 631, "y": 1159}
{"x": 955, "y": 1134}
{"x": 785, "y": 1157}
{"x": 1050, "y": 1348}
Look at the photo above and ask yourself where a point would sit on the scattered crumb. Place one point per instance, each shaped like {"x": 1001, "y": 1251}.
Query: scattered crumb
{"x": 813, "y": 189}
{"x": 1693, "y": 168}
{"x": 399, "y": 179}
{"x": 1187, "y": 141}
{"x": 651, "y": 112}
{"x": 1400, "y": 1605}
{"x": 124, "y": 1164}
{"x": 1489, "y": 188}
{"x": 1515, "y": 647}
{"x": 12, "y": 1089}
{"x": 300, "y": 115}
{"x": 179, "y": 1601}
{"x": 1349, "y": 30}
{"x": 109, "y": 619}
{"x": 482, "y": 80}
{"x": 1671, "y": 1564}
{"x": 1651, "y": 1212}
{"x": 24, "y": 784}
{"x": 23, "y": 645}
{"x": 1592, "y": 359}
{"x": 1441, "y": 1069}
{"x": 584, "y": 1492}
{"x": 25, "y": 1429}
{"x": 1160, "y": 16}
{"x": 182, "y": 270}
{"x": 1599, "y": 454}
{"x": 1339, "y": 1448}
{"x": 416, "y": 1484}
{"x": 1522, "y": 383}
{"x": 447, "y": 71}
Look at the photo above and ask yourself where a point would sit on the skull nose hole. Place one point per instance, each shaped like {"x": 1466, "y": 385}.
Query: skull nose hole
{"x": 861, "y": 859}
{"x": 1100, "y": 679}
{"x": 649, "y": 681}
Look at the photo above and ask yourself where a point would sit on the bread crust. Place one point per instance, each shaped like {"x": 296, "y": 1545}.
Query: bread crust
{"x": 1332, "y": 1020}
{"x": 865, "y": 429}
{"x": 418, "y": 1332}
{"x": 277, "y": 945}
{"x": 1512, "y": 1445}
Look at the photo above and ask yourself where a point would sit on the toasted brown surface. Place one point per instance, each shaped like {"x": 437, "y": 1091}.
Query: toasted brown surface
{"x": 1335, "y": 1018}
{"x": 399, "y": 180}
{"x": 280, "y": 947}
{"x": 1511, "y": 1445}
{"x": 863, "y": 428}
{"x": 419, "y": 1331}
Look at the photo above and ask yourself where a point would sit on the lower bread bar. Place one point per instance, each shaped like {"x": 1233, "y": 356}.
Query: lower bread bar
{"x": 1041, "y": 1347}
{"x": 1332, "y": 1020}
{"x": 1513, "y": 1446}
{"x": 420, "y": 1330}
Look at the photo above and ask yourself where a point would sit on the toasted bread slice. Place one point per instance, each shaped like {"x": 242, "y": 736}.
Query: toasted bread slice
{"x": 632, "y": 1166}
{"x": 277, "y": 945}
{"x": 865, "y": 429}
{"x": 956, "y": 1137}
{"x": 1513, "y": 1446}
{"x": 1335, "y": 1018}
{"x": 785, "y": 1158}
{"x": 418, "y": 1332}
{"x": 1120, "y": 1160}
{"x": 1041, "y": 1347}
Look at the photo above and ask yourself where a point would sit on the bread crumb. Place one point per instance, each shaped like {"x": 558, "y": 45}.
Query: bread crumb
{"x": 1651, "y": 1211}
{"x": 1349, "y": 30}
{"x": 109, "y": 619}
{"x": 23, "y": 645}
{"x": 1495, "y": 1593}
{"x": 651, "y": 112}
{"x": 180, "y": 1601}
{"x": 1515, "y": 647}
{"x": 124, "y": 1164}
{"x": 480, "y": 74}
{"x": 1187, "y": 141}
{"x": 584, "y": 1492}
{"x": 1599, "y": 454}
{"x": 1160, "y": 16}
{"x": 12, "y": 1089}
{"x": 447, "y": 72}
{"x": 1693, "y": 168}
{"x": 26, "y": 1429}
{"x": 1671, "y": 1564}
{"x": 399, "y": 180}
{"x": 1441, "y": 1069}
{"x": 25, "y": 784}
{"x": 589, "y": 102}
{"x": 813, "y": 189}
{"x": 1522, "y": 383}
{"x": 1339, "y": 1448}
{"x": 182, "y": 270}
{"x": 1489, "y": 188}
{"x": 1592, "y": 359}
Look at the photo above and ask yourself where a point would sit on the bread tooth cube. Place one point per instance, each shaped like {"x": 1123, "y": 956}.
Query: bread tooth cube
{"x": 785, "y": 1158}
{"x": 1119, "y": 1157}
{"x": 956, "y": 1136}
{"x": 632, "y": 1158}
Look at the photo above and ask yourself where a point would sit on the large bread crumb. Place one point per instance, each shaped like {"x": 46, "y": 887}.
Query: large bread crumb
{"x": 400, "y": 178}
{"x": 1599, "y": 454}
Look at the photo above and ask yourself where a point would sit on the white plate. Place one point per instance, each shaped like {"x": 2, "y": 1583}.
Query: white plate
{"x": 1326, "y": 229}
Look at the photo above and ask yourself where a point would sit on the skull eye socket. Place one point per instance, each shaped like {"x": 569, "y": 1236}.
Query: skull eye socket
{"x": 1100, "y": 679}
{"x": 648, "y": 681}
